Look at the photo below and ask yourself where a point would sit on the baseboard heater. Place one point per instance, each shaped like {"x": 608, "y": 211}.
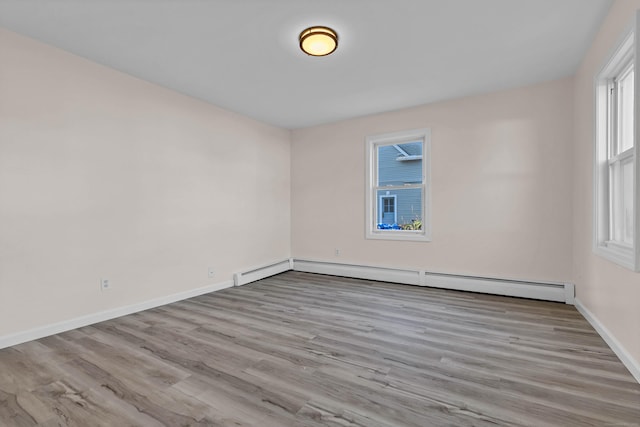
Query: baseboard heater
{"x": 548, "y": 291}
{"x": 559, "y": 292}
{"x": 262, "y": 272}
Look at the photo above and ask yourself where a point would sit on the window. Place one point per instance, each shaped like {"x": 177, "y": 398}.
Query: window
{"x": 615, "y": 159}
{"x": 398, "y": 186}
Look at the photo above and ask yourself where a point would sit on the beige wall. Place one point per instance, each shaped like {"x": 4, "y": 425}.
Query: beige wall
{"x": 501, "y": 174}
{"x": 610, "y": 292}
{"x": 104, "y": 175}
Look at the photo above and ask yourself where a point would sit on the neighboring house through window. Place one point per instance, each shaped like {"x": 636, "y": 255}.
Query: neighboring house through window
{"x": 397, "y": 186}
{"x": 615, "y": 212}
{"x": 387, "y": 213}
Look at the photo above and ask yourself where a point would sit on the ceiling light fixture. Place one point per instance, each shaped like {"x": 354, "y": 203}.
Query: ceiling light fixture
{"x": 318, "y": 41}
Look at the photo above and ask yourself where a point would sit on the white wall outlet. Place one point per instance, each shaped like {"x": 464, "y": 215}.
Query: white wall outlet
{"x": 212, "y": 272}
{"x": 337, "y": 252}
{"x": 105, "y": 284}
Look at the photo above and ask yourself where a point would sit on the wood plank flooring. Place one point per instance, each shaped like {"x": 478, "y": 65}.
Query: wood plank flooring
{"x": 310, "y": 350}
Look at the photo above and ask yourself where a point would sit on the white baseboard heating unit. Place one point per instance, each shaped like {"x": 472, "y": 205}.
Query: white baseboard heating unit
{"x": 548, "y": 291}
{"x": 261, "y": 272}
{"x": 559, "y": 292}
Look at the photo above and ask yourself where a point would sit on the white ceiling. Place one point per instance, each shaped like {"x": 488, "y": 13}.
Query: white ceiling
{"x": 243, "y": 55}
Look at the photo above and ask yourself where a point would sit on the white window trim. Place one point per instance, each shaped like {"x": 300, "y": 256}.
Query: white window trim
{"x": 371, "y": 231}
{"x": 625, "y": 255}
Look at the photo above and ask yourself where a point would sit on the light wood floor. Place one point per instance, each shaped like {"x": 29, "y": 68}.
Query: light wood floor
{"x": 309, "y": 350}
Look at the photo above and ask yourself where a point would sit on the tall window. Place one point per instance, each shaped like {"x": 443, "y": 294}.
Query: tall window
{"x": 398, "y": 186}
{"x": 615, "y": 159}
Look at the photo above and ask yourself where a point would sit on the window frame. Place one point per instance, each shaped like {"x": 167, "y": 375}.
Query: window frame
{"x": 608, "y": 160}
{"x": 371, "y": 184}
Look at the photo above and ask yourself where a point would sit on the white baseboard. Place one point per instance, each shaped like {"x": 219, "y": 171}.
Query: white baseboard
{"x": 631, "y": 364}
{"x": 257, "y": 273}
{"x": 250, "y": 275}
{"x": 78, "y": 322}
{"x": 547, "y": 291}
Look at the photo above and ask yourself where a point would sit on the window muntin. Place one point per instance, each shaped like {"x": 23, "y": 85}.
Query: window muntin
{"x": 623, "y": 87}
{"x": 397, "y": 196}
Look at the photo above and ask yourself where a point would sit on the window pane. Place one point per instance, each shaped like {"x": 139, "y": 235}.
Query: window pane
{"x": 399, "y": 209}
{"x": 614, "y": 229}
{"x": 400, "y": 164}
{"x": 625, "y": 111}
{"x": 612, "y": 202}
{"x": 627, "y": 195}
{"x": 621, "y": 212}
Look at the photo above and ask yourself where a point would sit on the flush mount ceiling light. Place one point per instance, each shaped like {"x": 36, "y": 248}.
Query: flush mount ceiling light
{"x": 318, "y": 41}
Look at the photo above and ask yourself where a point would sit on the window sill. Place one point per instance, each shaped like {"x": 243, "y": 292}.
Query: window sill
{"x": 398, "y": 235}
{"x": 617, "y": 253}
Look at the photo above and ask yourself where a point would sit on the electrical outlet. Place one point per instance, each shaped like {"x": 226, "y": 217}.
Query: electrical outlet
{"x": 337, "y": 252}
{"x": 212, "y": 273}
{"x": 104, "y": 284}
